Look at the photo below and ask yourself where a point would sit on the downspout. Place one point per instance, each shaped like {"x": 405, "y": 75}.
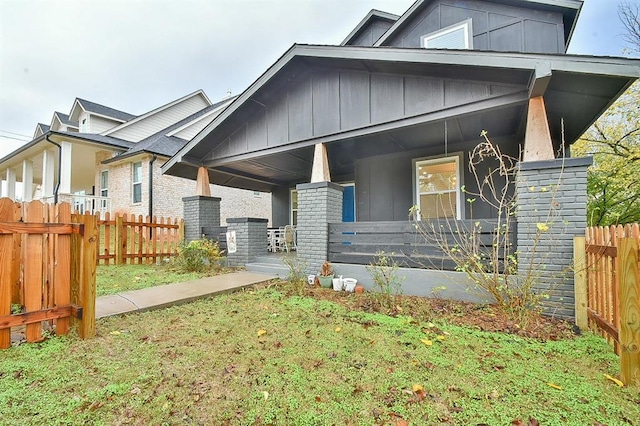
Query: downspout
{"x": 57, "y": 187}
{"x": 153, "y": 159}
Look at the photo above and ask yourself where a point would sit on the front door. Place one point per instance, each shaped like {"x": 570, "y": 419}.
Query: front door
{"x": 349, "y": 203}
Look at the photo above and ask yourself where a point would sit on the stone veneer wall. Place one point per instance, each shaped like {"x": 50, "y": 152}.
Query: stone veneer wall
{"x": 318, "y": 205}
{"x": 551, "y": 194}
{"x": 251, "y": 239}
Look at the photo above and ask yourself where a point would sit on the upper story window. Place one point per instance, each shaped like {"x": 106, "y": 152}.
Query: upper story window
{"x": 136, "y": 182}
{"x": 457, "y": 36}
{"x": 84, "y": 125}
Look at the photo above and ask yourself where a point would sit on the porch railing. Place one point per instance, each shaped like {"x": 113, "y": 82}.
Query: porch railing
{"x": 359, "y": 242}
{"x": 82, "y": 204}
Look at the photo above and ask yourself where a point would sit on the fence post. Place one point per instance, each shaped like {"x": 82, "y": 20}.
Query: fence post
{"x": 580, "y": 281}
{"x": 6, "y": 254}
{"x": 120, "y": 243}
{"x": 89, "y": 259}
{"x": 629, "y": 299}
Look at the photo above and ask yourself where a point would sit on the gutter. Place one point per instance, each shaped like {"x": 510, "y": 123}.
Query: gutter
{"x": 57, "y": 187}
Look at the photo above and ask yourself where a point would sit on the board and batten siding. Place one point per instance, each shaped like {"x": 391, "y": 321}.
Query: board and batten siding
{"x": 369, "y": 35}
{"x": 331, "y": 101}
{"x": 101, "y": 124}
{"x": 496, "y": 27}
{"x": 148, "y": 126}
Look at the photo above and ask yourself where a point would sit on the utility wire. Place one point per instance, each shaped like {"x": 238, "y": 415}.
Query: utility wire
{"x": 16, "y": 134}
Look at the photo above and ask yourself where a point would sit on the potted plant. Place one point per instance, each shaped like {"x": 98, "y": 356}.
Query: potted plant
{"x": 325, "y": 276}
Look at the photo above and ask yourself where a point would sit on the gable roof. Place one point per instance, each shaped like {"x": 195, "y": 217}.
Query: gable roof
{"x": 100, "y": 110}
{"x": 64, "y": 119}
{"x": 597, "y": 80}
{"x": 157, "y": 110}
{"x": 570, "y": 10}
{"x": 371, "y": 16}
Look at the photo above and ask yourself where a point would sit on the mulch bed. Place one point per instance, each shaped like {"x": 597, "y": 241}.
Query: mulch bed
{"x": 479, "y": 316}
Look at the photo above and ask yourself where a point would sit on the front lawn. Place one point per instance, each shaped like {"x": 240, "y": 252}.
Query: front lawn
{"x": 260, "y": 357}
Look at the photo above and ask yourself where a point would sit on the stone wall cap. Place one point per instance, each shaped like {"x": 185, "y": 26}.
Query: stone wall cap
{"x": 558, "y": 163}
{"x": 200, "y": 197}
{"x": 246, "y": 219}
{"x": 316, "y": 185}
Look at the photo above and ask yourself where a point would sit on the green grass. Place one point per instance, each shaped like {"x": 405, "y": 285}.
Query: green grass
{"x": 259, "y": 357}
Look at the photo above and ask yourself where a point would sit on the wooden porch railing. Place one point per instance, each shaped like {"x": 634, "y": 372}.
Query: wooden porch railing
{"x": 358, "y": 242}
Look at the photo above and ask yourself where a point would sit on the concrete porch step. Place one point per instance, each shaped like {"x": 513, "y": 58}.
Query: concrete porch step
{"x": 270, "y": 268}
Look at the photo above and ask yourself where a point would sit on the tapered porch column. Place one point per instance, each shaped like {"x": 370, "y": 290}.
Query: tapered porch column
{"x": 319, "y": 203}
{"x": 11, "y": 184}
{"x": 27, "y": 180}
{"x": 65, "y": 168}
{"x": 202, "y": 184}
{"x": 537, "y": 140}
{"x": 48, "y": 172}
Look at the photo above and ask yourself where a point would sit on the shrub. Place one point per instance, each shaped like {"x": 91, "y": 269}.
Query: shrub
{"x": 198, "y": 256}
{"x": 384, "y": 271}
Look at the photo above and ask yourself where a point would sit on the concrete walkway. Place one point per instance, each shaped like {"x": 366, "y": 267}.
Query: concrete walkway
{"x": 172, "y": 294}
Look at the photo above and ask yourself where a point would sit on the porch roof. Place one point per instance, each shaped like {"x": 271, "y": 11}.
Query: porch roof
{"x": 576, "y": 89}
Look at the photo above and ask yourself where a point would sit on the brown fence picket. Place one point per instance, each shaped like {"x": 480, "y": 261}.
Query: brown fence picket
{"x": 62, "y": 269}
{"x": 6, "y": 255}
{"x": 33, "y": 212}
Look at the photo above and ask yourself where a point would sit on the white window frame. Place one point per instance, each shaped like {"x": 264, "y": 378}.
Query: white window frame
{"x": 104, "y": 190}
{"x": 134, "y": 182}
{"x": 464, "y": 25}
{"x": 458, "y": 158}
{"x": 84, "y": 124}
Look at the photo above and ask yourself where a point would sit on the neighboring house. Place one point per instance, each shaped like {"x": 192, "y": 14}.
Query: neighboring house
{"x": 403, "y": 100}
{"x": 103, "y": 159}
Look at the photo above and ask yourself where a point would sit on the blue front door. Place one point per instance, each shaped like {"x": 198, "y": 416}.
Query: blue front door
{"x": 349, "y": 204}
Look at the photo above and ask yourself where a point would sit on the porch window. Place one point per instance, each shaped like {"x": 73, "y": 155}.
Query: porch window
{"x": 293, "y": 219}
{"x": 438, "y": 185}
{"x": 457, "y": 36}
{"x": 137, "y": 182}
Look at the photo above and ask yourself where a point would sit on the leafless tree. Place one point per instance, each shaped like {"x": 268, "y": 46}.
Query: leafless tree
{"x": 629, "y": 14}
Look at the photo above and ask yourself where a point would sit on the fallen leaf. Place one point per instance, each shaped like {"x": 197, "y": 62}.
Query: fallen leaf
{"x": 262, "y": 332}
{"x": 430, "y": 325}
{"x": 338, "y": 329}
{"x": 115, "y": 332}
{"x": 402, "y": 422}
{"x": 614, "y": 380}
{"x": 440, "y": 338}
{"x": 265, "y": 394}
{"x": 533, "y": 422}
{"x": 427, "y": 342}
{"x": 417, "y": 388}
{"x": 318, "y": 399}
{"x": 553, "y": 385}
{"x": 517, "y": 422}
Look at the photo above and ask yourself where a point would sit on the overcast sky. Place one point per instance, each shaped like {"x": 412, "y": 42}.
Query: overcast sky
{"x": 136, "y": 55}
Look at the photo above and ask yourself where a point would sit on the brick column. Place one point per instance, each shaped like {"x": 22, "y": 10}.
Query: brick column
{"x": 199, "y": 211}
{"x": 318, "y": 205}
{"x": 551, "y": 194}
{"x": 251, "y": 239}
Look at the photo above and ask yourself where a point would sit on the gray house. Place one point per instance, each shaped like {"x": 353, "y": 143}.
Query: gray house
{"x": 404, "y": 97}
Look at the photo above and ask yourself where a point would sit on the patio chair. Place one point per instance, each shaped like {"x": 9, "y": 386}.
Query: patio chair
{"x": 289, "y": 238}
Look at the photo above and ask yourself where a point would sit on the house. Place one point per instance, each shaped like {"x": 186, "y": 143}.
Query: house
{"x": 103, "y": 159}
{"x": 390, "y": 116}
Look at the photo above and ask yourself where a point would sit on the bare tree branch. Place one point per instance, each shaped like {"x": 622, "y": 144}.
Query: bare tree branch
{"x": 630, "y": 16}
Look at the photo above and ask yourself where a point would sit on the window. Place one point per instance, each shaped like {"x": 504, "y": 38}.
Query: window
{"x": 293, "y": 219}
{"x": 84, "y": 127}
{"x": 438, "y": 184}
{"x": 137, "y": 182}
{"x": 457, "y": 36}
{"x": 104, "y": 183}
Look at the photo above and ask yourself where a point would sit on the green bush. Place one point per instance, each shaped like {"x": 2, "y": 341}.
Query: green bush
{"x": 198, "y": 256}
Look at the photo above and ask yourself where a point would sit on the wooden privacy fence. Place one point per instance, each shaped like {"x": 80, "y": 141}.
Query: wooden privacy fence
{"x": 134, "y": 239}
{"x": 607, "y": 286}
{"x": 47, "y": 269}
{"x": 413, "y": 244}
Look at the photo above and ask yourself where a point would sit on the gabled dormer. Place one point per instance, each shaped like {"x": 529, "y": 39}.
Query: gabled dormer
{"x": 160, "y": 118}
{"x": 369, "y": 30}
{"x": 95, "y": 118}
{"x": 41, "y": 129}
{"x": 531, "y": 26}
{"x": 61, "y": 123}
